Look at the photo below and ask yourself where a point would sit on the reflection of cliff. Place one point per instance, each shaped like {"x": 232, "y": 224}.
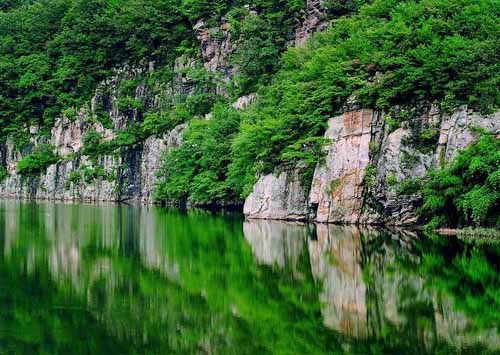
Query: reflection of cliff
{"x": 370, "y": 287}
{"x": 275, "y": 242}
{"x": 111, "y": 263}
{"x": 335, "y": 260}
{"x": 369, "y": 290}
{"x": 142, "y": 271}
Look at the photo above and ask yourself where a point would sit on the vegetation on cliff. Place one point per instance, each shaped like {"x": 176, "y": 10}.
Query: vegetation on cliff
{"x": 467, "y": 191}
{"x": 390, "y": 53}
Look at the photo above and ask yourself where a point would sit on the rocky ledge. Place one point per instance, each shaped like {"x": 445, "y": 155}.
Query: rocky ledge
{"x": 364, "y": 161}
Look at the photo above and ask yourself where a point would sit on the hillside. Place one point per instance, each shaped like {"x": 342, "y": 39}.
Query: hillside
{"x": 353, "y": 111}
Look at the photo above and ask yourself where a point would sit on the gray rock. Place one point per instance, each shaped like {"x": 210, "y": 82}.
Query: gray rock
{"x": 337, "y": 187}
{"x": 314, "y": 20}
{"x": 244, "y": 101}
{"x": 400, "y": 160}
{"x": 360, "y": 143}
{"x": 277, "y": 197}
{"x": 133, "y": 170}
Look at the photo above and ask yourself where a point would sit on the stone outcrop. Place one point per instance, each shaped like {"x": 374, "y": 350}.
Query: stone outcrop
{"x": 396, "y": 157}
{"x": 337, "y": 188}
{"x": 314, "y": 20}
{"x": 129, "y": 174}
{"x": 216, "y": 46}
{"x": 277, "y": 197}
{"x": 364, "y": 164}
{"x": 244, "y": 101}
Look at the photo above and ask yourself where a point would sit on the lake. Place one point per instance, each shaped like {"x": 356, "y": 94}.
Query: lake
{"x": 120, "y": 279}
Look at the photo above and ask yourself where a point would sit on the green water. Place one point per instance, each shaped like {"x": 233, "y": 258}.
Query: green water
{"x": 147, "y": 280}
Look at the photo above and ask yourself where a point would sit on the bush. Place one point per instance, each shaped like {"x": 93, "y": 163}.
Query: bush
{"x": 390, "y": 54}
{"x": 197, "y": 171}
{"x": 4, "y": 174}
{"x": 37, "y": 162}
{"x": 467, "y": 191}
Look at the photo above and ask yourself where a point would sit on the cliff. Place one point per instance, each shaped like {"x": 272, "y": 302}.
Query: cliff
{"x": 129, "y": 174}
{"x": 181, "y": 122}
{"x": 130, "y": 171}
{"x": 364, "y": 165}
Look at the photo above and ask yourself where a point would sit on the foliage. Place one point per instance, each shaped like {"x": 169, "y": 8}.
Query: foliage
{"x": 92, "y": 144}
{"x": 467, "y": 192}
{"x": 409, "y": 186}
{"x": 4, "y": 174}
{"x": 197, "y": 171}
{"x": 227, "y": 292}
{"x": 370, "y": 178}
{"x": 381, "y": 54}
{"x": 54, "y": 52}
{"x": 470, "y": 275}
{"x": 391, "y": 53}
{"x": 35, "y": 163}
{"x": 92, "y": 173}
{"x": 478, "y": 236}
{"x": 261, "y": 38}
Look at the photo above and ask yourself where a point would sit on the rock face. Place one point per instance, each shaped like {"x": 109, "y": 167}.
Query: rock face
{"x": 129, "y": 174}
{"x": 395, "y": 157}
{"x": 337, "y": 188}
{"x": 277, "y": 197}
{"x": 314, "y": 20}
{"x": 216, "y": 46}
{"x": 364, "y": 164}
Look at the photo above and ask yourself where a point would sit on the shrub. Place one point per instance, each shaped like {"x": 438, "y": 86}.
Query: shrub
{"x": 391, "y": 54}
{"x": 198, "y": 170}
{"x": 4, "y": 174}
{"x": 37, "y": 162}
{"x": 467, "y": 191}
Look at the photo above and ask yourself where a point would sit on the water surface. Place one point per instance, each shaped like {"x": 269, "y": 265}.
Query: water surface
{"x": 124, "y": 279}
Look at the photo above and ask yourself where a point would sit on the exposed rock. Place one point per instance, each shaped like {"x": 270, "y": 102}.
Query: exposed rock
{"x": 130, "y": 173}
{"x": 314, "y": 20}
{"x": 151, "y": 160}
{"x": 399, "y": 159}
{"x": 457, "y": 132}
{"x": 216, "y": 47}
{"x": 341, "y": 190}
{"x": 277, "y": 197}
{"x": 244, "y": 101}
{"x": 337, "y": 188}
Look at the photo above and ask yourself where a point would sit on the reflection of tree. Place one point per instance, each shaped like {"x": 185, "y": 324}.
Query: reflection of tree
{"x": 185, "y": 283}
{"x": 374, "y": 288}
{"x": 142, "y": 278}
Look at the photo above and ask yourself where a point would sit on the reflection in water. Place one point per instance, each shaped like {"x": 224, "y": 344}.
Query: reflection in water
{"x": 336, "y": 260}
{"x": 94, "y": 279}
{"x": 368, "y": 289}
{"x": 276, "y": 242}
